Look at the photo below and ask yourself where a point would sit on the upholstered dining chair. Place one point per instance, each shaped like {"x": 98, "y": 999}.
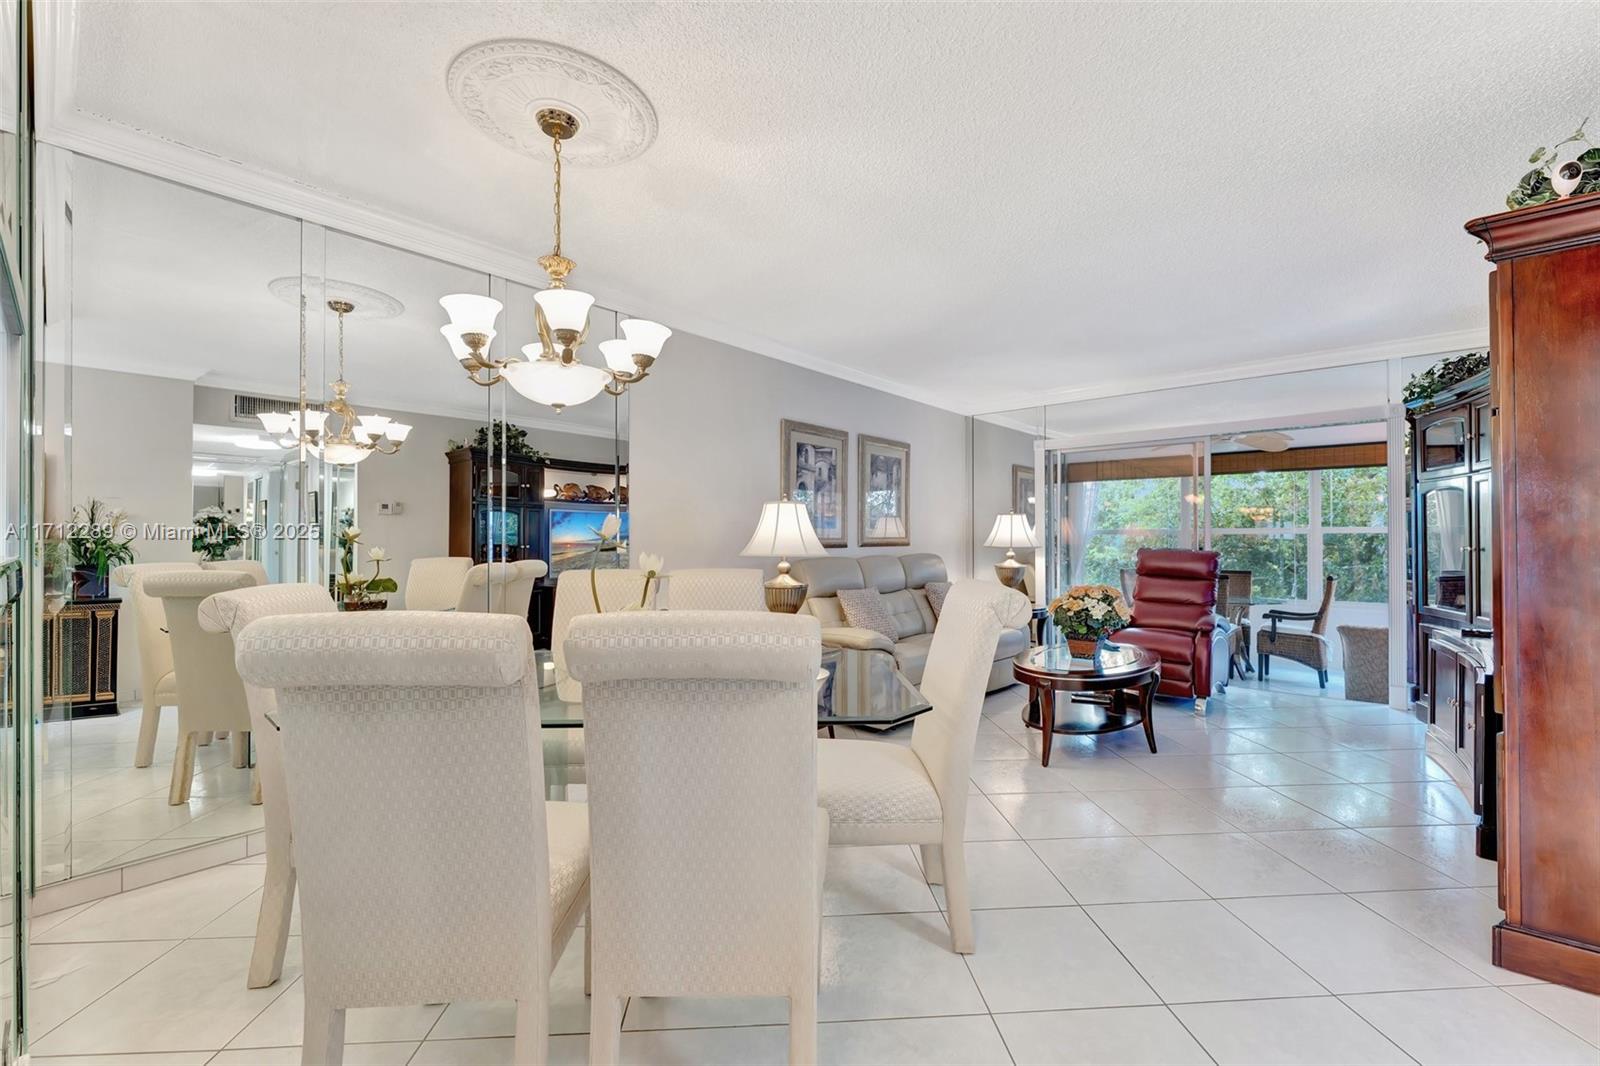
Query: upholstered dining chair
{"x": 158, "y": 681}
{"x": 1309, "y": 647}
{"x": 421, "y": 880}
{"x": 501, "y": 588}
{"x": 210, "y": 695}
{"x": 434, "y": 583}
{"x": 881, "y": 793}
{"x": 618, "y": 590}
{"x": 244, "y": 566}
{"x": 708, "y": 846}
{"x": 715, "y": 590}
{"x": 228, "y": 613}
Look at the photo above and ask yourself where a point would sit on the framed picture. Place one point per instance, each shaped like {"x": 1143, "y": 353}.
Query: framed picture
{"x": 884, "y": 507}
{"x": 814, "y": 470}
{"x": 1022, "y": 495}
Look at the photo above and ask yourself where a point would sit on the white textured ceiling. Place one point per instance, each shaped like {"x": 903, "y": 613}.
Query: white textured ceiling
{"x": 979, "y": 202}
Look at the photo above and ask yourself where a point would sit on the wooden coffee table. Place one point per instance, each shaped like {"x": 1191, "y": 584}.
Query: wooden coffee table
{"x": 1115, "y": 693}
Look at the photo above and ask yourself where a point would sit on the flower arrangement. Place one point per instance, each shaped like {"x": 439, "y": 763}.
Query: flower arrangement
{"x": 1085, "y": 613}
{"x": 360, "y": 593}
{"x": 98, "y": 538}
{"x": 216, "y": 533}
{"x": 610, "y": 541}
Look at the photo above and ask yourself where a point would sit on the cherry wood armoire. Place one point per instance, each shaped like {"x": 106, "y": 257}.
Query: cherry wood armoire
{"x": 1544, "y": 322}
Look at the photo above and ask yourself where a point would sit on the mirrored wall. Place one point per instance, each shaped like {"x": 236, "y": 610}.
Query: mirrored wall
{"x": 174, "y": 321}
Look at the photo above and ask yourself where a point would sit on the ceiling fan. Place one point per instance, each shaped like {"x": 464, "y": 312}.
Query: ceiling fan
{"x": 1262, "y": 440}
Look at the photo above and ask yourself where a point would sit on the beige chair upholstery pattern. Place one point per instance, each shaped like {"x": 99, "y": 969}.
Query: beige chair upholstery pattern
{"x": 714, "y": 590}
{"x": 882, "y": 793}
{"x": 158, "y": 682}
{"x": 501, "y": 588}
{"x": 434, "y": 583}
{"x": 618, "y": 590}
{"x": 210, "y": 695}
{"x": 229, "y": 613}
{"x": 900, "y": 580}
{"x": 244, "y": 566}
{"x": 431, "y": 870}
{"x": 709, "y": 847}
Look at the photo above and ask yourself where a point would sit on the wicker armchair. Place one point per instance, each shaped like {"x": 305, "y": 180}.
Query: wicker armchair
{"x": 1366, "y": 663}
{"x": 1307, "y": 647}
{"x": 1234, "y": 588}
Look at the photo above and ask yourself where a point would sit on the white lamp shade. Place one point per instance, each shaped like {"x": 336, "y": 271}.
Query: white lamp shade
{"x": 458, "y": 347}
{"x": 375, "y": 424}
{"x": 315, "y": 421}
{"x": 276, "y": 422}
{"x": 1011, "y": 531}
{"x": 397, "y": 432}
{"x": 549, "y": 382}
{"x": 619, "y": 355}
{"x": 344, "y": 454}
{"x": 564, "y": 308}
{"x": 645, "y": 337}
{"x": 470, "y": 313}
{"x": 785, "y": 529}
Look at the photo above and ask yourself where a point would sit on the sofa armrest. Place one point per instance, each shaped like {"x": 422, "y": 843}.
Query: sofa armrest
{"x": 859, "y": 639}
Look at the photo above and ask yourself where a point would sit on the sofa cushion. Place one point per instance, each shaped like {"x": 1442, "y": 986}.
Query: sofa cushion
{"x": 827, "y": 611}
{"x": 865, "y": 609}
{"x": 936, "y": 590}
{"x": 929, "y": 619}
{"x": 828, "y": 574}
{"x": 921, "y": 568}
{"x": 882, "y": 572}
{"x": 903, "y": 610}
{"x": 1012, "y": 642}
{"x": 911, "y": 656}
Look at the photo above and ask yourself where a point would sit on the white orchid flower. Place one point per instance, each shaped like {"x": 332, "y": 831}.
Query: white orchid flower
{"x": 651, "y": 563}
{"x": 610, "y": 526}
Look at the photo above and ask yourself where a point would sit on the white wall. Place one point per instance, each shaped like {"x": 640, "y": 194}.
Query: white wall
{"x": 995, "y": 450}
{"x": 705, "y": 440}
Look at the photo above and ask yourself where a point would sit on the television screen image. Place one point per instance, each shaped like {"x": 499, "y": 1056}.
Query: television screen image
{"x": 574, "y": 535}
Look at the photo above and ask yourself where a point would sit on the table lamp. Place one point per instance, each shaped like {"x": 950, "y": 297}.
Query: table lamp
{"x": 785, "y": 529}
{"x": 1011, "y": 531}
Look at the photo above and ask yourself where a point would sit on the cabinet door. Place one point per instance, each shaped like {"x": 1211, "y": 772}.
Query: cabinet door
{"x": 1482, "y": 551}
{"x": 1443, "y": 440}
{"x": 1444, "y": 693}
{"x": 1482, "y": 435}
{"x": 1443, "y": 545}
{"x": 1467, "y": 718}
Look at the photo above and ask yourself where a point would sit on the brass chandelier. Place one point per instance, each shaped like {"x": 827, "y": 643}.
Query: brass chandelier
{"x": 549, "y": 371}
{"x": 358, "y": 435}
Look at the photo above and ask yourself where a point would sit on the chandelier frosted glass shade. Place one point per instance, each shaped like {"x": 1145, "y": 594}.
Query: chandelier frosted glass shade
{"x": 458, "y": 347}
{"x": 644, "y": 337}
{"x": 619, "y": 355}
{"x": 470, "y": 313}
{"x": 564, "y": 309}
{"x": 552, "y": 383}
{"x": 344, "y": 454}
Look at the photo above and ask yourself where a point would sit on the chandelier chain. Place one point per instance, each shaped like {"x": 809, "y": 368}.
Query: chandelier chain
{"x": 557, "y": 142}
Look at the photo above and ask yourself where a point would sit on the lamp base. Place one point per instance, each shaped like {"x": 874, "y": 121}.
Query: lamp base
{"x": 1010, "y": 572}
{"x": 784, "y": 594}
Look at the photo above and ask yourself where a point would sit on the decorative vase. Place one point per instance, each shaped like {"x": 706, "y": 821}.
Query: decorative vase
{"x": 363, "y": 605}
{"x": 1082, "y": 647}
{"x": 89, "y": 584}
{"x": 1564, "y": 178}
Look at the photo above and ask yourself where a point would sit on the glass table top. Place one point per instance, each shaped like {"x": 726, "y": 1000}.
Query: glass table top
{"x": 1115, "y": 660}
{"x": 859, "y": 688}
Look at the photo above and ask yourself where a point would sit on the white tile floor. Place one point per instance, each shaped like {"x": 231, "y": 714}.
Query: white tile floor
{"x": 1282, "y": 883}
{"x": 96, "y": 810}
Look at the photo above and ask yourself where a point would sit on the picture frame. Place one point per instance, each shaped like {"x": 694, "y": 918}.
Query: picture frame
{"x": 1022, "y": 490}
{"x": 814, "y": 469}
{"x": 883, "y": 503}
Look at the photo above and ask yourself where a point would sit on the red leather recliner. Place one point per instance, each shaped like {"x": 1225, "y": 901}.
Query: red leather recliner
{"x": 1174, "y": 615}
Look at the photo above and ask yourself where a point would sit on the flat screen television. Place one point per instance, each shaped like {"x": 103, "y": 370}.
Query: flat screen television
{"x": 573, "y": 534}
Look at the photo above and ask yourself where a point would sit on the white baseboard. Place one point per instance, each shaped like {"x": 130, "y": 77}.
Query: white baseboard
{"x": 102, "y": 883}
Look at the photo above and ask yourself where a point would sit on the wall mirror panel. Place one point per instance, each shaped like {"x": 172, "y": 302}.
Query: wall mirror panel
{"x": 1008, "y": 510}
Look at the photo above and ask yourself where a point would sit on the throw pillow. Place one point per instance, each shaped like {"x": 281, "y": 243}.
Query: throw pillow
{"x": 865, "y": 609}
{"x": 936, "y": 591}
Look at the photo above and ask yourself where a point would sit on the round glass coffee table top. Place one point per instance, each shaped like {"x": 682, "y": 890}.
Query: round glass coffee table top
{"x": 1115, "y": 661}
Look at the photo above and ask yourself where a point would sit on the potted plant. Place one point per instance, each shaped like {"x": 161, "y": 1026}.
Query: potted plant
{"x": 1088, "y": 614}
{"x": 98, "y": 538}
{"x": 216, "y": 534}
{"x": 1558, "y": 172}
{"x": 357, "y": 593}
{"x": 611, "y": 541}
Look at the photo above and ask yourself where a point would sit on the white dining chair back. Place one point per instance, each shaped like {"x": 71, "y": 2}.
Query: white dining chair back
{"x": 431, "y": 870}
{"x": 708, "y": 843}
{"x": 618, "y": 590}
{"x": 729, "y": 589}
{"x": 158, "y": 681}
{"x": 210, "y": 695}
{"x": 434, "y": 583}
{"x": 501, "y": 588}
{"x": 228, "y": 613}
{"x": 255, "y": 569}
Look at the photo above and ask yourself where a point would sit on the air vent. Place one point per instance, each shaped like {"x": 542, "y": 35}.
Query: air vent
{"x": 246, "y": 407}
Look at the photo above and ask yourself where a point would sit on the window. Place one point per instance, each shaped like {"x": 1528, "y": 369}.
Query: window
{"x": 1355, "y": 535}
{"x": 1127, "y": 515}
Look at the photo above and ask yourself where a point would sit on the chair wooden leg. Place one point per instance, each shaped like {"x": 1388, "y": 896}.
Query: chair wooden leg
{"x": 1322, "y": 679}
{"x": 531, "y": 1046}
{"x": 803, "y": 1025}
{"x": 272, "y": 922}
{"x": 588, "y": 954}
{"x": 958, "y": 906}
{"x": 240, "y": 742}
{"x": 605, "y": 1028}
{"x": 1261, "y": 665}
{"x": 323, "y": 1042}
{"x": 1200, "y": 707}
{"x": 149, "y": 722}
{"x": 255, "y": 786}
{"x": 932, "y": 864}
{"x": 182, "y": 770}
{"x": 204, "y": 739}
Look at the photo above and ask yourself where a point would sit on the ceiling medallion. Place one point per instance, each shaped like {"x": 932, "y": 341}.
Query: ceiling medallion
{"x": 501, "y": 87}
{"x": 368, "y": 302}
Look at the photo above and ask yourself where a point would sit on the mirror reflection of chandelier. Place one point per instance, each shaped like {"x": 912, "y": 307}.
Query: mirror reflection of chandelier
{"x": 358, "y": 435}
{"x": 549, "y": 371}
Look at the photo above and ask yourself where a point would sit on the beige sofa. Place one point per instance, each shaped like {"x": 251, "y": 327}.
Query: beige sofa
{"x": 900, "y": 579}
